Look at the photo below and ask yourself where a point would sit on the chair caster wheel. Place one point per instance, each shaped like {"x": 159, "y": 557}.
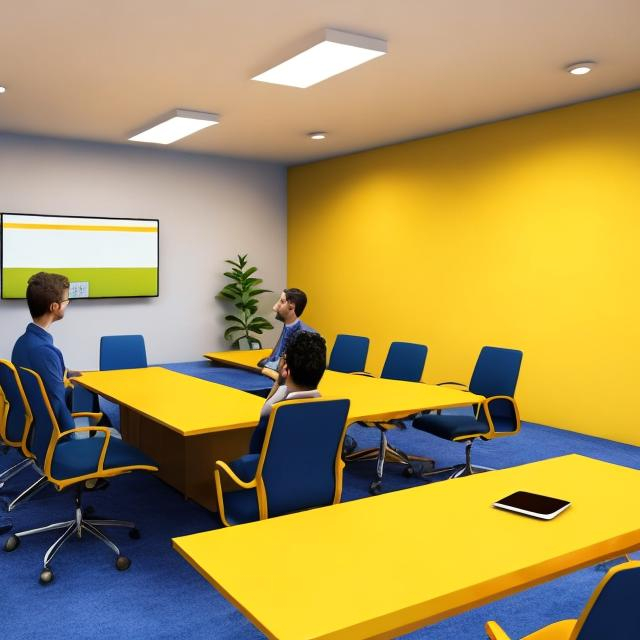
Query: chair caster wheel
{"x": 375, "y": 488}
{"x": 12, "y": 543}
{"x": 46, "y": 576}
{"x": 409, "y": 472}
{"x": 122, "y": 563}
{"x": 134, "y": 534}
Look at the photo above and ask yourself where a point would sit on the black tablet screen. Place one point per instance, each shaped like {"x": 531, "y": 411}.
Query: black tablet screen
{"x": 534, "y": 502}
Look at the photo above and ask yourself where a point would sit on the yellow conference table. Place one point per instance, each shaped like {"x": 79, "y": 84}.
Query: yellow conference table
{"x": 371, "y": 398}
{"x": 242, "y": 359}
{"x": 453, "y": 551}
{"x": 186, "y": 424}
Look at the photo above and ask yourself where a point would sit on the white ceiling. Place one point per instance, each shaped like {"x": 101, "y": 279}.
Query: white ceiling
{"x": 102, "y": 69}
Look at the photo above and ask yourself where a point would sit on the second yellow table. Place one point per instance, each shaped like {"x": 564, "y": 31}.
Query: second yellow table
{"x": 451, "y": 550}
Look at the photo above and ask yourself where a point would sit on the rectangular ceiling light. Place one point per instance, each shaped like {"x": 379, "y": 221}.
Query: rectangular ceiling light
{"x": 176, "y": 125}
{"x": 338, "y": 51}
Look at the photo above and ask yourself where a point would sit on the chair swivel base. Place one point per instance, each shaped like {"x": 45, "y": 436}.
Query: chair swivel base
{"x": 76, "y": 528}
{"x": 14, "y": 470}
{"x": 28, "y": 493}
{"x": 459, "y": 470}
{"x": 413, "y": 465}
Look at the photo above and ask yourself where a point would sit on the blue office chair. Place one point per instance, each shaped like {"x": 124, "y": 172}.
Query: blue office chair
{"x": 15, "y": 432}
{"x": 70, "y": 462}
{"x": 405, "y": 361}
{"x": 495, "y": 377}
{"x": 118, "y": 352}
{"x": 349, "y": 354}
{"x": 15, "y": 419}
{"x": 122, "y": 352}
{"x": 300, "y": 465}
{"x": 612, "y": 612}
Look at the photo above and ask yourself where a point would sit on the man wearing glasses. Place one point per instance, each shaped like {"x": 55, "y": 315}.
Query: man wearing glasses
{"x": 48, "y": 299}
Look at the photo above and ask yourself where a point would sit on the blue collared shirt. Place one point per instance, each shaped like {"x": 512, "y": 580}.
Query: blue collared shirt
{"x": 35, "y": 350}
{"x": 285, "y": 337}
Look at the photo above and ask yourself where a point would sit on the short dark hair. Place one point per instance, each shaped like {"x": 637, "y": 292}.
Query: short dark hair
{"x": 43, "y": 289}
{"x": 306, "y": 358}
{"x": 298, "y": 298}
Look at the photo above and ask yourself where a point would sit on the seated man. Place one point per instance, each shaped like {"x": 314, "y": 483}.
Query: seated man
{"x": 48, "y": 299}
{"x": 303, "y": 366}
{"x": 288, "y": 310}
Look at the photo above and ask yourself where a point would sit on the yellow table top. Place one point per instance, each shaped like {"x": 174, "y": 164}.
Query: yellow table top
{"x": 380, "y": 399}
{"x": 371, "y": 398}
{"x": 183, "y": 403}
{"x": 449, "y": 550}
{"x": 243, "y": 359}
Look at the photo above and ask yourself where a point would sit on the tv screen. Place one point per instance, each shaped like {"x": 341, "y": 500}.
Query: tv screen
{"x": 102, "y": 257}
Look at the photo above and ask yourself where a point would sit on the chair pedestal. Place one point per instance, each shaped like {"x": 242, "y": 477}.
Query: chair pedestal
{"x": 75, "y": 527}
{"x": 14, "y": 470}
{"x": 28, "y": 493}
{"x": 459, "y": 470}
{"x": 413, "y": 465}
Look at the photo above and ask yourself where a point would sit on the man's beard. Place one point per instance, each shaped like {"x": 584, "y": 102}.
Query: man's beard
{"x": 279, "y": 317}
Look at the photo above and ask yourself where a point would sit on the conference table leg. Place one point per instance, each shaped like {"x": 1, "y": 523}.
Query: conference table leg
{"x": 185, "y": 463}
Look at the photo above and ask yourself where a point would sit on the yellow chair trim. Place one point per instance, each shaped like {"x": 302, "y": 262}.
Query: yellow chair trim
{"x": 257, "y": 482}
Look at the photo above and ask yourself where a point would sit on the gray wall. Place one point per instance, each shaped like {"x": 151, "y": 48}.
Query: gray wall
{"x": 209, "y": 209}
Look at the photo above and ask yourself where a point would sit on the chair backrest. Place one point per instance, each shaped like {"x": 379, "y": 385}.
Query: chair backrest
{"x": 122, "y": 352}
{"x": 405, "y": 361}
{"x": 16, "y": 419}
{"x": 45, "y": 425}
{"x": 612, "y": 611}
{"x": 301, "y": 461}
{"x": 349, "y": 354}
{"x": 496, "y": 374}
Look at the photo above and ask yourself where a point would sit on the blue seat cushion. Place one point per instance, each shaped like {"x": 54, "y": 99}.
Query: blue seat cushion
{"x": 450, "y": 427}
{"x": 246, "y": 466}
{"x": 74, "y": 458}
{"x": 241, "y": 506}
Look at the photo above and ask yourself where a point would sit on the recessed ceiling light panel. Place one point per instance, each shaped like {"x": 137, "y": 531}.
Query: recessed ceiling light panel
{"x": 338, "y": 51}
{"x": 2, "y": 89}
{"x": 176, "y": 125}
{"x": 317, "y": 135}
{"x": 580, "y": 68}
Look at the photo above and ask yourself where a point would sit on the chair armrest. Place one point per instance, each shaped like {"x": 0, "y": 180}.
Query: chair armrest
{"x": 495, "y": 631}
{"x": 88, "y": 414}
{"x": 103, "y": 451}
{"x": 487, "y": 411}
{"x": 241, "y": 483}
{"x": 455, "y": 384}
{"x": 270, "y": 373}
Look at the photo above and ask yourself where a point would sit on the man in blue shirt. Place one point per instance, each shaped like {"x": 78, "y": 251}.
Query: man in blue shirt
{"x": 48, "y": 299}
{"x": 288, "y": 310}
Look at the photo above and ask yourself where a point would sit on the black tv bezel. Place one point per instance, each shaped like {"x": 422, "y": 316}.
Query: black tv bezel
{"x": 58, "y": 215}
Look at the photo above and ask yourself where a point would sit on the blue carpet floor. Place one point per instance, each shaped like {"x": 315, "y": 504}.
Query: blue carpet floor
{"x": 161, "y": 596}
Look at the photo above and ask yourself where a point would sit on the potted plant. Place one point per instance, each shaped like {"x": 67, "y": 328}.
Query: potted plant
{"x": 243, "y": 292}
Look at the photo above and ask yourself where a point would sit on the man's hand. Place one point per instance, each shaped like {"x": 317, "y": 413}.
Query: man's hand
{"x": 73, "y": 374}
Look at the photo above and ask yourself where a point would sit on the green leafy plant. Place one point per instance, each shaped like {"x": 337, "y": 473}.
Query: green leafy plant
{"x": 243, "y": 292}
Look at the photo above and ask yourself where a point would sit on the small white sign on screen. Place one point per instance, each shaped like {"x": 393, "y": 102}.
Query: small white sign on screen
{"x": 78, "y": 290}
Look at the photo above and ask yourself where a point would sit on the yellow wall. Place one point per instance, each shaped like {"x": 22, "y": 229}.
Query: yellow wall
{"x": 523, "y": 233}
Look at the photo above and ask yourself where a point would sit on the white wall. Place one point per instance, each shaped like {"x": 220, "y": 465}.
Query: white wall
{"x": 209, "y": 209}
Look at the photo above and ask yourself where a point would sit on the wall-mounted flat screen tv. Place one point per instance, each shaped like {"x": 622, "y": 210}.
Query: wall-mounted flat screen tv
{"x": 102, "y": 257}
